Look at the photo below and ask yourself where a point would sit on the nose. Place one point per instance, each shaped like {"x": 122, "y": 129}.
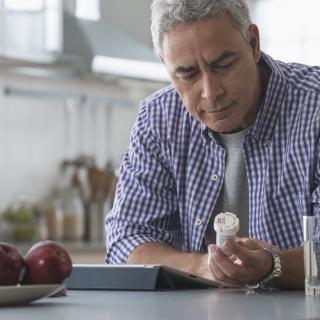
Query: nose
{"x": 212, "y": 88}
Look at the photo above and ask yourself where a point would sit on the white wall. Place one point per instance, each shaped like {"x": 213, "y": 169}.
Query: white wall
{"x": 37, "y": 133}
{"x": 31, "y": 140}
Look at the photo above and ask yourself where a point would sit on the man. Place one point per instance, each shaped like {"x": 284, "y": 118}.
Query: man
{"x": 237, "y": 131}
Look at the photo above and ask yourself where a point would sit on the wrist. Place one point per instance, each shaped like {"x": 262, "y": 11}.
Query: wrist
{"x": 271, "y": 280}
{"x": 199, "y": 264}
{"x": 292, "y": 266}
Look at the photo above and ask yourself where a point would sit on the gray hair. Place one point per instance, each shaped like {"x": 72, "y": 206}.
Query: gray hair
{"x": 166, "y": 14}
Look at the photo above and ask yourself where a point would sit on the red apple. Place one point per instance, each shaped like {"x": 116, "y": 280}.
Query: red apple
{"x": 47, "y": 262}
{"x": 12, "y": 265}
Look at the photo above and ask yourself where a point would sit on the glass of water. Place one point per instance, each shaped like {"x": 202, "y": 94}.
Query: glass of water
{"x": 311, "y": 234}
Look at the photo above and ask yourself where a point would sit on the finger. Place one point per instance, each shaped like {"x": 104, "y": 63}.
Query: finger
{"x": 263, "y": 244}
{"x": 241, "y": 238}
{"x": 240, "y": 273}
{"x": 218, "y": 273}
{"x": 239, "y": 242}
{"x": 225, "y": 282}
{"x": 244, "y": 253}
{"x": 251, "y": 244}
{"x": 256, "y": 244}
{"x": 255, "y": 263}
{"x": 224, "y": 269}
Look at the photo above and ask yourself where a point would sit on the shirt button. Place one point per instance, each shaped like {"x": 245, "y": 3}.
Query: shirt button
{"x": 204, "y": 141}
{"x": 198, "y": 222}
{"x": 267, "y": 144}
{"x": 214, "y": 177}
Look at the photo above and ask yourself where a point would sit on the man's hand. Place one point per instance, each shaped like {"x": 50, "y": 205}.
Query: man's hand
{"x": 255, "y": 262}
{"x": 157, "y": 253}
{"x": 252, "y": 265}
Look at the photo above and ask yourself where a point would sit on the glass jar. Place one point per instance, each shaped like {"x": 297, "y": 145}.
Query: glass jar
{"x": 21, "y": 222}
{"x": 73, "y": 215}
{"x": 53, "y": 213}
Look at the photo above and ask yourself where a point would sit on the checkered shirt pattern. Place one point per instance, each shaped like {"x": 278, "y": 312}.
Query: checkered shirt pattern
{"x": 173, "y": 170}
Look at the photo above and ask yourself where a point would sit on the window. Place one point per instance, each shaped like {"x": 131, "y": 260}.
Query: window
{"x": 289, "y": 29}
{"x": 89, "y": 10}
{"x": 18, "y": 5}
{"x": 31, "y": 30}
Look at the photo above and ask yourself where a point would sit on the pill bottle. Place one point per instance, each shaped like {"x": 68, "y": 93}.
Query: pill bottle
{"x": 226, "y": 225}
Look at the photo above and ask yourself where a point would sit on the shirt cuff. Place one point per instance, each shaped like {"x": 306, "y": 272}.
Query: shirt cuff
{"x": 119, "y": 251}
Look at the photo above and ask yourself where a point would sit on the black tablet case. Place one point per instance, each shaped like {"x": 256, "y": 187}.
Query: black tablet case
{"x": 133, "y": 277}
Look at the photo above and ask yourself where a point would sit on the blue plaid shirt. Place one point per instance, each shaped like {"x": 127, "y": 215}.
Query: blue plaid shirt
{"x": 173, "y": 171}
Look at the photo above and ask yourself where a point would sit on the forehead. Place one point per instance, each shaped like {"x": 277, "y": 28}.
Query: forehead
{"x": 207, "y": 38}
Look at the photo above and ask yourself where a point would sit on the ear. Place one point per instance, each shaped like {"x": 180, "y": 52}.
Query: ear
{"x": 254, "y": 42}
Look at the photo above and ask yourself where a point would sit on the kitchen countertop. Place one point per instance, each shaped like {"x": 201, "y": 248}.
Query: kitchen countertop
{"x": 188, "y": 304}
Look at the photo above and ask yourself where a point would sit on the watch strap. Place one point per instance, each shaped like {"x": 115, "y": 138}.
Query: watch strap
{"x": 271, "y": 279}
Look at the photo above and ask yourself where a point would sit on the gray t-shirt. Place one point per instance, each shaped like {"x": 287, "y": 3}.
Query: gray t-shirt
{"x": 234, "y": 194}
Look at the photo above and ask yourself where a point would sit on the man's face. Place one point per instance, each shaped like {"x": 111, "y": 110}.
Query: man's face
{"x": 214, "y": 69}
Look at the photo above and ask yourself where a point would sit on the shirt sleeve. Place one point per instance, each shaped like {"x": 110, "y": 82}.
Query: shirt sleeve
{"x": 145, "y": 207}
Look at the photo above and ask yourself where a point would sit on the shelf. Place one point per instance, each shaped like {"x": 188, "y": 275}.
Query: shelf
{"x": 10, "y": 91}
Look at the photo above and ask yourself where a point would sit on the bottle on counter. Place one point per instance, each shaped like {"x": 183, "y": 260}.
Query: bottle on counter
{"x": 101, "y": 198}
{"x": 53, "y": 212}
{"x": 74, "y": 216}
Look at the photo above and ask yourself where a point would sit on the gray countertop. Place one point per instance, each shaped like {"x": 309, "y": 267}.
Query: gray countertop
{"x": 189, "y": 304}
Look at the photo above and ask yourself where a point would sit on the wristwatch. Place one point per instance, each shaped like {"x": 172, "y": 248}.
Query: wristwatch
{"x": 271, "y": 279}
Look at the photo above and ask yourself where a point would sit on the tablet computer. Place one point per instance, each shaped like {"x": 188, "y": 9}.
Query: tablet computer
{"x": 133, "y": 277}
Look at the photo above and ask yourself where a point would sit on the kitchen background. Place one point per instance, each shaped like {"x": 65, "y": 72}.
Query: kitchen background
{"x": 72, "y": 75}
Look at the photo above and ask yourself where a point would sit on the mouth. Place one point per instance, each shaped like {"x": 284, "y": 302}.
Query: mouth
{"x": 219, "y": 111}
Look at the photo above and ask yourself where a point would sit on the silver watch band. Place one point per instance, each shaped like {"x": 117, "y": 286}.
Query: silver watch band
{"x": 270, "y": 280}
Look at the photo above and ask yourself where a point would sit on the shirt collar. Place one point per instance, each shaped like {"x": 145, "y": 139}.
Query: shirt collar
{"x": 207, "y": 135}
{"x": 264, "y": 125}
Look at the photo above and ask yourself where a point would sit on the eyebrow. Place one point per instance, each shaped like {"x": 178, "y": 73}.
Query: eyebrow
{"x": 185, "y": 69}
{"x": 224, "y": 55}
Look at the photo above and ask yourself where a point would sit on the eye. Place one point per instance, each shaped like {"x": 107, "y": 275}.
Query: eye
{"x": 223, "y": 66}
{"x": 189, "y": 77}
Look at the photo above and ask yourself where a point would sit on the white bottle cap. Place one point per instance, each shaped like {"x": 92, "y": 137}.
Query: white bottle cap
{"x": 226, "y": 223}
